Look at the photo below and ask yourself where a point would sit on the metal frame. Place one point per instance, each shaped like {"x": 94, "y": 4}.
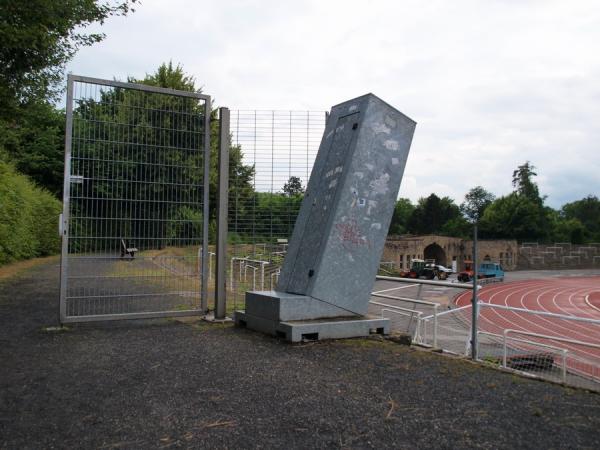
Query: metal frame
{"x": 222, "y": 210}
{"x": 65, "y": 219}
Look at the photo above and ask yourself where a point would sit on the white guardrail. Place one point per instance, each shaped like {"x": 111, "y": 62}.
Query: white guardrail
{"x": 450, "y": 331}
{"x": 411, "y": 313}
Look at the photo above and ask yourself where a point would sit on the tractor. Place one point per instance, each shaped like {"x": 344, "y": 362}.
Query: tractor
{"x": 424, "y": 269}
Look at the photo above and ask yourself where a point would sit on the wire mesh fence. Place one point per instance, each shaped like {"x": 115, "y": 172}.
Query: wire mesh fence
{"x": 134, "y": 200}
{"x": 271, "y": 158}
{"x": 550, "y": 346}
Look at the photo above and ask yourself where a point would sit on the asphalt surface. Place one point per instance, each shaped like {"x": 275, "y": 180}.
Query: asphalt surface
{"x": 170, "y": 384}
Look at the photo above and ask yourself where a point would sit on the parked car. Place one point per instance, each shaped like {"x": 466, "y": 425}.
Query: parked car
{"x": 486, "y": 270}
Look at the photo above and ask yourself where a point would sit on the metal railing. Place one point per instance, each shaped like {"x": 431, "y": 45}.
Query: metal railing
{"x": 414, "y": 324}
{"x": 563, "y": 356}
{"x": 542, "y": 355}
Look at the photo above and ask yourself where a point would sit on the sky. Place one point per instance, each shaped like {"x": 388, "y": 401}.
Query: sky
{"x": 491, "y": 84}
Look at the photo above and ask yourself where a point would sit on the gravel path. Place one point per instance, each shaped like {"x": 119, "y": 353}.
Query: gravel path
{"x": 174, "y": 384}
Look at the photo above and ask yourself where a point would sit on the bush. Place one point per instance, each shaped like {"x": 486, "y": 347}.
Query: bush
{"x": 29, "y": 218}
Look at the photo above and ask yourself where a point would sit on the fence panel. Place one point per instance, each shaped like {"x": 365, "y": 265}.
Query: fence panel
{"x": 271, "y": 159}
{"x": 561, "y": 351}
{"x": 135, "y": 210}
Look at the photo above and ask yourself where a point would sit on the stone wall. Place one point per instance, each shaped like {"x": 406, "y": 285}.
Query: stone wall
{"x": 448, "y": 251}
{"x": 560, "y": 255}
{"x": 400, "y": 250}
{"x": 503, "y": 251}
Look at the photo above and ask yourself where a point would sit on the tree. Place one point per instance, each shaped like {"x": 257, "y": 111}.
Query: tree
{"x": 523, "y": 182}
{"x": 39, "y": 37}
{"x": 587, "y": 212}
{"x": 36, "y": 145}
{"x": 515, "y": 217}
{"x": 402, "y": 212}
{"x": 293, "y": 187}
{"x": 476, "y": 200}
{"x": 568, "y": 230}
{"x": 431, "y": 214}
{"x": 160, "y": 145}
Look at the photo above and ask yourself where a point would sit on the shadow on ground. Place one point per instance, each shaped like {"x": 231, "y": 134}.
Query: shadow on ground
{"x": 167, "y": 383}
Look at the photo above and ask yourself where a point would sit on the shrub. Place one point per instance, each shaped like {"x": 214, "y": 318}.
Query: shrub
{"x": 29, "y": 217}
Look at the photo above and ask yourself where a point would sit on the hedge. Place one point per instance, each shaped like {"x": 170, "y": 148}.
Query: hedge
{"x": 28, "y": 217}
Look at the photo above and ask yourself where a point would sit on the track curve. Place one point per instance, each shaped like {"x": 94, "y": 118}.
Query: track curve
{"x": 577, "y": 297}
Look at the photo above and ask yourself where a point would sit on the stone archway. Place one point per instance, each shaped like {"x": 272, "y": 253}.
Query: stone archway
{"x": 434, "y": 251}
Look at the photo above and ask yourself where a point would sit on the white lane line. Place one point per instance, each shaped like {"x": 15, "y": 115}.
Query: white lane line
{"x": 587, "y": 300}
{"x": 523, "y": 287}
{"x": 539, "y": 323}
{"x": 393, "y": 289}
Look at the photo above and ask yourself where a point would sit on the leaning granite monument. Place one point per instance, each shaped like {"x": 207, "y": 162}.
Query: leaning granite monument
{"x": 333, "y": 256}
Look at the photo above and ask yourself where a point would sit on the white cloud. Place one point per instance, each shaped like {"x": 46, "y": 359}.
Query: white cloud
{"x": 491, "y": 84}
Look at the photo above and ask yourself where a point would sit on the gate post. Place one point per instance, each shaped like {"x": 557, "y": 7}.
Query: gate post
{"x": 64, "y": 218}
{"x": 222, "y": 205}
{"x": 206, "y": 208}
{"x": 474, "y": 300}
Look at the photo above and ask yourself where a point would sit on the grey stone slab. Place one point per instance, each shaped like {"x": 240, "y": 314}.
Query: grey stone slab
{"x": 336, "y": 246}
{"x": 297, "y": 331}
{"x": 282, "y": 306}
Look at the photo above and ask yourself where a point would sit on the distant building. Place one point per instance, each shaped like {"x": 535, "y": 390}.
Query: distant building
{"x": 448, "y": 251}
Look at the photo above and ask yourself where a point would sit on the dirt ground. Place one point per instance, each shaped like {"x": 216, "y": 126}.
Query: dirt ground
{"x": 174, "y": 384}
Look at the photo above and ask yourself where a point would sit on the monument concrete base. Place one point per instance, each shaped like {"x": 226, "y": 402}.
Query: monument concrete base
{"x": 315, "y": 330}
{"x": 299, "y": 318}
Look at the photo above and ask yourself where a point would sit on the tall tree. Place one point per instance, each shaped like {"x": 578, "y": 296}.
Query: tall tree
{"x": 431, "y": 214}
{"x": 523, "y": 183}
{"x": 476, "y": 200}
{"x": 38, "y": 38}
{"x": 159, "y": 144}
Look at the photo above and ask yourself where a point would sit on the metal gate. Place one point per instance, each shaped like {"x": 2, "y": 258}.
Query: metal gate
{"x": 136, "y": 195}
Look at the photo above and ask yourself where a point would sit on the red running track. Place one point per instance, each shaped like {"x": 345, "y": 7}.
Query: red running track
{"x": 574, "y": 296}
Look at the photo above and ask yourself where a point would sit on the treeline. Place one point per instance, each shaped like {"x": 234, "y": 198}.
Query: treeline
{"x": 520, "y": 215}
{"x": 38, "y": 38}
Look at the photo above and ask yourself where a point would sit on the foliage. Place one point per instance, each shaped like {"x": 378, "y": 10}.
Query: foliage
{"x": 457, "y": 227}
{"x": 240, "y": 175}
{"x": 587, "y": 212}
{"x": 269, "y": 216}
{"x": 155, "y": 155}
{"x": 402, "y": 212}
{"x": 35, "y": 144}
{"x": 39, "y": 37}
{"x": 431, "y": 214}
{"x": 515, "y": 216}
{"x": 29, "y": 218}
{"x": 523, "y": 183}
{"x": 476, "y": 200}
{"x": 568, "y": 230}
{"x": 293, "y": 186}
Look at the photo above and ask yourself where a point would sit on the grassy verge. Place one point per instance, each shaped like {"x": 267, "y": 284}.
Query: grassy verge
{"x": 10, "y": 270}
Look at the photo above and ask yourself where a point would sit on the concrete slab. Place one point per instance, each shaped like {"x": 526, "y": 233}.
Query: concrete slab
{"x": 314, "y": 330}
{"x": 283, "y": 306}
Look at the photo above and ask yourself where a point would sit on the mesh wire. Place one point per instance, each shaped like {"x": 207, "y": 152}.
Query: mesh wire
{"x": 135, "y": 201}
